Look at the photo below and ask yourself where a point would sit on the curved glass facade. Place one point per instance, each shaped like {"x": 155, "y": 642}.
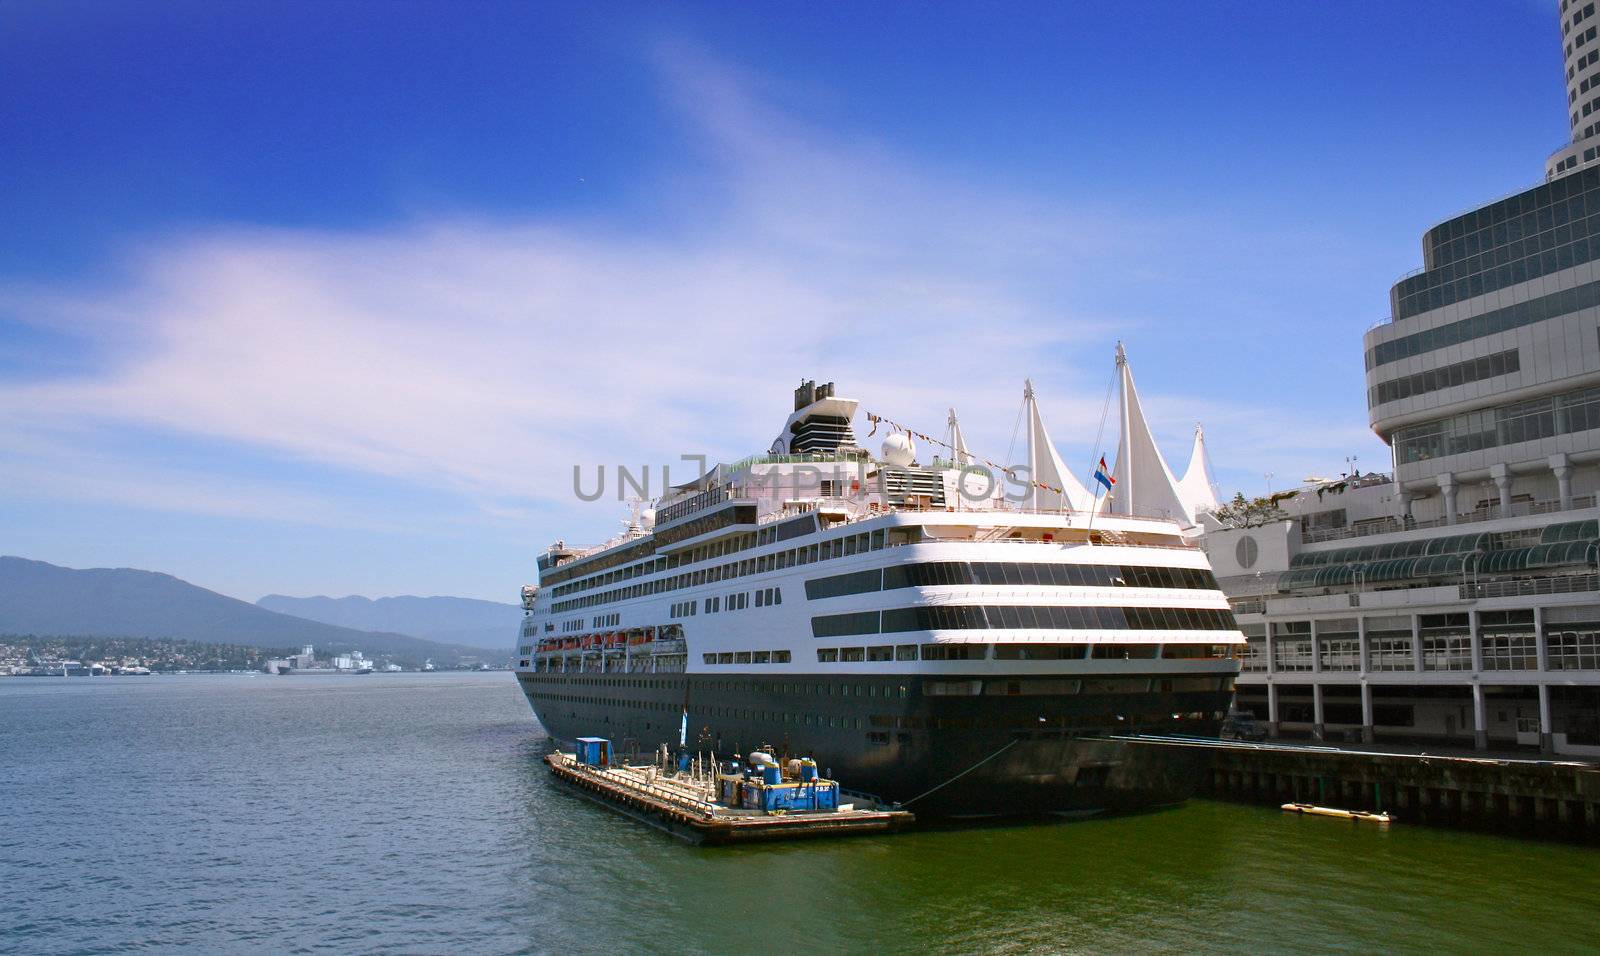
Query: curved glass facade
{"x": 1521, "y": 237}
{"x": 1448, "y": 376}
{"x": 1510, "y": 317}
{"x": 1563, "y": 414}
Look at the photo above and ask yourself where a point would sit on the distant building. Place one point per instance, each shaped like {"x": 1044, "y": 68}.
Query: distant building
{"x": 1456, "y": 599}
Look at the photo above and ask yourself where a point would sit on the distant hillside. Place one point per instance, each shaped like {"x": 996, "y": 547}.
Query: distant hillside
{"x": 484, "y": 624}
{"x": 43, "y": 599}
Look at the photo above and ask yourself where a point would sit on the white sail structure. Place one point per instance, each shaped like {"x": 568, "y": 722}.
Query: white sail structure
{"x": 968, "y": 488}
{"x": 1144, "y": 484}
{"x": 1195, "y": 486}
{"x": 958, "y": 443}
{"x": 1045, "y": 467}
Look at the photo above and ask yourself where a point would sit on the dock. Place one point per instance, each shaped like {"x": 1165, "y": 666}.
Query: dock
{"x": 1540, "y": 797}
{"x": 685, "y": 808}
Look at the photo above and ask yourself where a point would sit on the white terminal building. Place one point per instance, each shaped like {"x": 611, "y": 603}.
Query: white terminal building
{"x": 1455, "y": 600}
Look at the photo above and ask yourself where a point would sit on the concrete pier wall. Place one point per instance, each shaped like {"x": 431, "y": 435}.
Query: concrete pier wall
{"x": 1548, "y": 798}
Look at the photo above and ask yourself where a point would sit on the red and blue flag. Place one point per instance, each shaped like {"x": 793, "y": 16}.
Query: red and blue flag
{"x": 1100, "y": 474}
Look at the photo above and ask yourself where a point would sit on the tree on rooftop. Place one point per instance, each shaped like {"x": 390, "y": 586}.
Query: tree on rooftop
{"x": 1242, "y": 512}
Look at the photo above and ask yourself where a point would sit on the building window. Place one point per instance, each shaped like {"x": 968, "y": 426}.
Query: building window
{"x": 1386, "y": 653}
{"x": 1446, "y": 642}
{"x": 1292, "y": 655}
{"x": 1577, "y": 650}
{"x": 1340, "y": 654}
{"x": 1449, "y": 653}
{"x": 1564, "y": 414}
{"x": 1510, "y": 652}
{"x": 1448, "y": 376}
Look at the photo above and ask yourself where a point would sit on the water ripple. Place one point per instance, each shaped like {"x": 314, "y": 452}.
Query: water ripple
{"x": 410, "y": 814}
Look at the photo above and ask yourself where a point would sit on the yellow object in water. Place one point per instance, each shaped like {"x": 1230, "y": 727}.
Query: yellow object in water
{"x": 1307, "y": 808}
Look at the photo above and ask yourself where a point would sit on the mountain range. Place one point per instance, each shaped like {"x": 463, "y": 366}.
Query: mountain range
{"x": 486, "y": 624}
{"x": 46, "y": 600}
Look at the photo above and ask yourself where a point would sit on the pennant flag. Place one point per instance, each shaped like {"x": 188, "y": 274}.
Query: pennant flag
{"x": 1101, "y": 476}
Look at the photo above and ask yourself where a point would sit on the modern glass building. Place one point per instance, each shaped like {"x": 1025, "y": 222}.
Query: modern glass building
{"x": 1456, "y": 598}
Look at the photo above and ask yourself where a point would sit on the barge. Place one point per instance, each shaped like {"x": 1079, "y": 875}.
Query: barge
{"x": 732, "y": 803}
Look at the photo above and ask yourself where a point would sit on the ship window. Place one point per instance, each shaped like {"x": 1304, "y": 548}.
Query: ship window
{"x": 780, "y": 657}
{"x": 710, "y": 658}
{"x": 725, "y": 657}
{"x": 777, "y": 595}
{"x": 761, "y": 657}
{"x": 761, "y": 598}
{"x": 833, "y": 625}
{"x": 951, "y": 688}
{"x": 852, "y": 655}
{"x": 882, "y": 652}
{"x": 825, "y": 655}
{"x": 905, "y": 652}
{"x": 742, "y": 657}
{"x": 900, "y": 619}
{"x": 1009, "y": 617}
{"x": 877, "y": 539}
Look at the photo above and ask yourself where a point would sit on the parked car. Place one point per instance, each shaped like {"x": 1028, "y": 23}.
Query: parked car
{"x": 1242, "y": 725}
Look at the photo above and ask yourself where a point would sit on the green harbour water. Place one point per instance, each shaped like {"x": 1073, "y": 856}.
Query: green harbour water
{"x": 410, "y": 814}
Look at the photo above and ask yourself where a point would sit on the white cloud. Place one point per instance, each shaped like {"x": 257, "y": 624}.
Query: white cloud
{"x": 486, "y": 357}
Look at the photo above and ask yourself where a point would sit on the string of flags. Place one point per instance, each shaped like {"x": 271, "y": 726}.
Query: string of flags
{"x": 895, "y": 426}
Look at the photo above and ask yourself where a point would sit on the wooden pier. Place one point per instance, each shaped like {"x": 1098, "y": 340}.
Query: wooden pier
{"x": 686, "y": 812}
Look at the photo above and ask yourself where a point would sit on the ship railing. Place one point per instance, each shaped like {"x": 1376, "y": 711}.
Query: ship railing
{"x": 857, "y": 509}
{"x": 1036, "y": 541}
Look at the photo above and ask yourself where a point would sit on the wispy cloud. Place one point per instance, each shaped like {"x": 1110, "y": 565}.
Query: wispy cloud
{"x": 487, "y": 356}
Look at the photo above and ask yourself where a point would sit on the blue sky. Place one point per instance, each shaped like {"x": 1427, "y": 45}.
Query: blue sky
{"x": 331, "y": 298}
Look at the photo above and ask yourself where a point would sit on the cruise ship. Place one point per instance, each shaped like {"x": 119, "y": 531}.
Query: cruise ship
{"x": 958, "y": 637}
